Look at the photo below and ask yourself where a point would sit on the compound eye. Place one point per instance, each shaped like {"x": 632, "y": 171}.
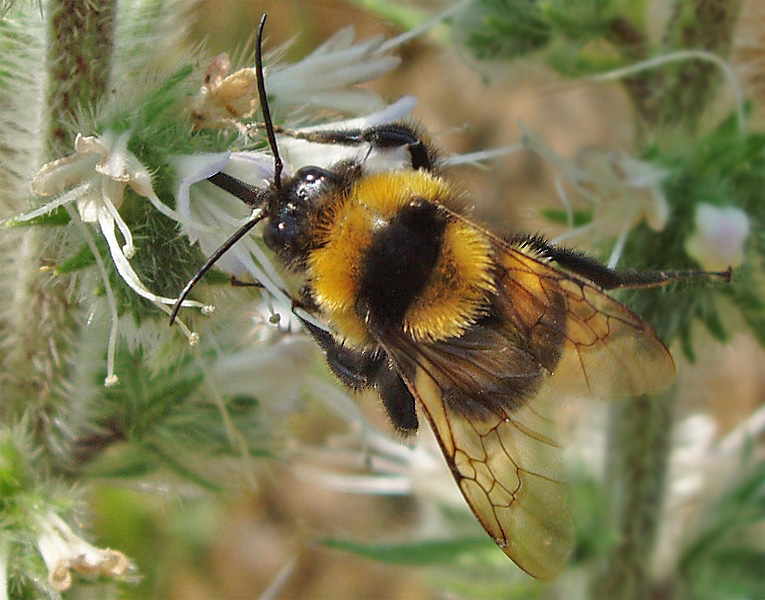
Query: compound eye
{"x": 312, "y": 174}
{"x": 311, "y": 182}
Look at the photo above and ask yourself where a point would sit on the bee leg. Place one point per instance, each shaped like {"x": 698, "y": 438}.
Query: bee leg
{"x": 249, "y": 194}
{"x": 236, "y": 282}
{"x": 390, "y": 136}
{"x": 396, "y": 398}
{"x": 604, "y": 276}
{"x": 360, "y": 370}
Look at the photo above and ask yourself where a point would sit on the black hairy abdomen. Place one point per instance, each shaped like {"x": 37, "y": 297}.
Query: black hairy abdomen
{"x": 399, "y": 262}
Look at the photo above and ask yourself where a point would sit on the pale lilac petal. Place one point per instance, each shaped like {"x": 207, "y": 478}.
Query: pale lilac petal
{"x": 720, "y": 237}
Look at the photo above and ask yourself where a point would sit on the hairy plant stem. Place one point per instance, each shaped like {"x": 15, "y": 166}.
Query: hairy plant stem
{"x": 640, "y": 444}
{"x": 40, "y": 328}
{"x": 80, "y": 49}
{"x": 640, "y": 436}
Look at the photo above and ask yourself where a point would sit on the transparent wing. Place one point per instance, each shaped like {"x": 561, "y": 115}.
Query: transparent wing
{"x": 509, "y": 469}
{"x": 490, "y": 396}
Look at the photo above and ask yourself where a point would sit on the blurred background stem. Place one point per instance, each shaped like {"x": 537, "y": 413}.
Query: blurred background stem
{"x": 42, "y": 322}
{"x": 81, "y": 44}
{"x": 639, "y": 448}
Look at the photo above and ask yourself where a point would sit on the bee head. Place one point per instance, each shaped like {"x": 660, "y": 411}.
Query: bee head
{"x": 294, "y": 207}
{"x": 291, "y": 212}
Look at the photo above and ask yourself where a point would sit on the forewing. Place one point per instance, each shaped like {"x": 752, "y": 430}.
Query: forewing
{"x": 605, "y": 350}
{"x": 505, "y": 461}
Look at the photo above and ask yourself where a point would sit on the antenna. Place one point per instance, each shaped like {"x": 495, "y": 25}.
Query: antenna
{"x": 261, "y": 82}
{"x": 258, "y": 216}
{"x": 243, "y": 191}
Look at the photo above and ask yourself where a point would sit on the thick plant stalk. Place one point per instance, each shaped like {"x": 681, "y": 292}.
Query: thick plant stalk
{"x": 80, "y": 49}
{"x": 640, "y": 446}
{"x": 39, "y": 326}
{"x": 640, "y": 437}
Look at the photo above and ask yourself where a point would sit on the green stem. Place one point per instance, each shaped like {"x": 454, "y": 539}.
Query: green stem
{"x": 79, "y": 64}
{"x": 640, "y": 448}
{"x": 640, "y": 444}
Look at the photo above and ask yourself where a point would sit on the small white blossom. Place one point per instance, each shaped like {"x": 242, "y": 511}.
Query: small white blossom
{"x": 209, "y": 215}
{"x": 720, "y": 235}
{"x": 391, "y": 469}
{"x": 370, "y": 462}
{"x": 63, "y": 551}
{"x": 95, "y": 178}
{"x": 620, "y": 185}
{"x": 624, "y": 191}
{"x": 692, "y": 466}
{"x": 326, "y": 77}
{"x": 282, "y": 364}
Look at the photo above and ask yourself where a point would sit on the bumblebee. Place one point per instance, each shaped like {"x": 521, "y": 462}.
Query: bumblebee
{"x": 431, "y": 310}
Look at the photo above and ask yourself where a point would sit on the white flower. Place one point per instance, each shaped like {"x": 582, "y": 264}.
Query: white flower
{"x": 95, "y": 179}
{"x": 282, "y": 364}
{"x": 691, "y": 467}
{"x": 64, "y": 551}
{"x": 370, "y": 462}
{"x": 702, "y": 469}
{"x": 624, "y": 191}
{"x": 209, "y": 215}
{"x": 720, "y": 235}
{"x": 325, "y": 78}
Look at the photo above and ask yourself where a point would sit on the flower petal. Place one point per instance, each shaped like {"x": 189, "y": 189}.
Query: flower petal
{"x": 118, "y": 161}
{"x": 126, "y": 271}
{"x": 720, "y": 236}
{"x": 62, "y": 174}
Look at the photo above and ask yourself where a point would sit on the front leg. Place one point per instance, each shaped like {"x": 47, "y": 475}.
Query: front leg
{"x": 388, "y": 136}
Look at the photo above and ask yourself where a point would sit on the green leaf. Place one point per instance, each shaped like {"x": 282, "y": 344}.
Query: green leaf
{"x": 725, "y": 560}
{"x": 686, "y": 343}
{"x": 404, "y": 16}
{"x": 561, "y": 217}
{"x": 715, "y": 326}
{"x": 496, "y": 30}
{"x": 166, "y": 96}
{"x": 413, "y": 553}
{"x": 172, "y": 462}
{"x": 82, "y": 259}
{"x": 752, "y": 309}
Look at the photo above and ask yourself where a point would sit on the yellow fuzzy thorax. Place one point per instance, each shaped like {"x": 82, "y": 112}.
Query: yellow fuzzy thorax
{"x": 460, "y": 283}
